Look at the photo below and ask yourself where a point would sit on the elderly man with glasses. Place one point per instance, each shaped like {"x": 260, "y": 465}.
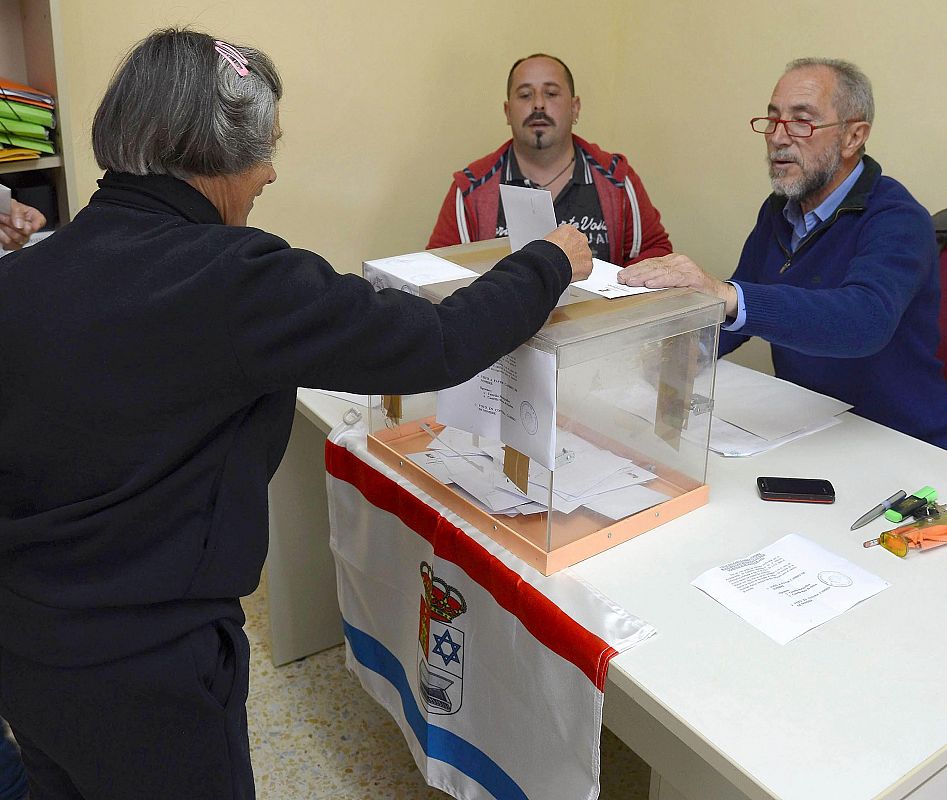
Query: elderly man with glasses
{"x": 840, "y": 273}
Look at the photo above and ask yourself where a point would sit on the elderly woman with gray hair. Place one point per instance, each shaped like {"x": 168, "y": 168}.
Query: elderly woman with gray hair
{"x": 150, "y": 354}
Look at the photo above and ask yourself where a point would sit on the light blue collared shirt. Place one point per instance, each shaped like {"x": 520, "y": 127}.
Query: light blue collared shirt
{"x": 802, "y": 226}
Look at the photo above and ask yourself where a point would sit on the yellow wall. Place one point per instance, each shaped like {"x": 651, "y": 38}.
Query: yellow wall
{"x": 698, "y": 71}
{"x": 384, "y": 100}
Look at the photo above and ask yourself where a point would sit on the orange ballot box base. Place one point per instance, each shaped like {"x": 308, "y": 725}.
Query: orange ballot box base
{"x": 585, "y": 533}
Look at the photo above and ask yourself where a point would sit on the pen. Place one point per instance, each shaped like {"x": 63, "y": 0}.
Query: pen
{"x": 878, "y": 510}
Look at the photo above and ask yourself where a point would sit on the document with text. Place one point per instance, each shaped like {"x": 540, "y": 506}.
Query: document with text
{"x": 514, "y": 402}
{"x": 790, "y": 587}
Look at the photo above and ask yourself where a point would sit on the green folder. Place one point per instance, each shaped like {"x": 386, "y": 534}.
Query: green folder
{"x": 17, "y": 128}
{"x": 27, "y": 113}
{"x": 29, "y": 144}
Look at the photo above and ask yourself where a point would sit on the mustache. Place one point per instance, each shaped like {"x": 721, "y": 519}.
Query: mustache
{"x": 784, "y": 154}
{"x": 538, "y": 116}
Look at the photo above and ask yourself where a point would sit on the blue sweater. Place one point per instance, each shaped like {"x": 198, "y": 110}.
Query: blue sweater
{"x": 852, "y": 313}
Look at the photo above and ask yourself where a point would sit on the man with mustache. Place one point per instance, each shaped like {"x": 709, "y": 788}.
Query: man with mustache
{"x": 840, "y": 273}
{"x": 598, "y": 192}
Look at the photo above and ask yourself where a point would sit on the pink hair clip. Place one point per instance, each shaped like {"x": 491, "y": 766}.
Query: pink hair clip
{"x": 234, "y": 57}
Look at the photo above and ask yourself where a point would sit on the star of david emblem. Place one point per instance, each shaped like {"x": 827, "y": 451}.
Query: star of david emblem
{"x": 445, "y": 643}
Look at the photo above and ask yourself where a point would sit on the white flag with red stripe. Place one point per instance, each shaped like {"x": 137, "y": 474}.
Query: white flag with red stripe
{"x": 494, "y": 673}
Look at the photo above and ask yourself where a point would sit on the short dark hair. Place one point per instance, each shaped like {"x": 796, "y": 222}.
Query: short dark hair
{"x": 176, "y": 106}
{"x": 509, "y": 78}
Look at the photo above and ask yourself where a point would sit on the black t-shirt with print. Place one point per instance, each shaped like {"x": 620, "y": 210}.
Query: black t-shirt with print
{"x": 577, "y": 203}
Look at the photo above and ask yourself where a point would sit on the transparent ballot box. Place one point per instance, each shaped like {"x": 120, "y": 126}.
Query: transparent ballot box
{"x": 592, "y": 432}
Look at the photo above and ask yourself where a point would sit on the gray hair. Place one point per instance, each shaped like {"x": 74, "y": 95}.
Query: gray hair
{"x": 852, "y": 98}
{"x": 176, "y": 106}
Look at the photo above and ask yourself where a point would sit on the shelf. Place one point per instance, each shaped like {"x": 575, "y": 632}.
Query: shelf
{"x": 31, "y": 52}
{"x": 46, "y": 162}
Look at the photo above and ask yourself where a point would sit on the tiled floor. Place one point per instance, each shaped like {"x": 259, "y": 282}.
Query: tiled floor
{"x": 315, "y": 735}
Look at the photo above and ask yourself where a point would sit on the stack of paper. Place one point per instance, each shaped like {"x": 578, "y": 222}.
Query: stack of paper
{"x": 584, "y": 476}
{"x": 752, "y": 412}
{"x": 26, "y": 119}
{"x": 755, "y": 412}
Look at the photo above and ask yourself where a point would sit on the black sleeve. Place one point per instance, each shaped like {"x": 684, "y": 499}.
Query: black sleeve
{"x": 294, "y": 321}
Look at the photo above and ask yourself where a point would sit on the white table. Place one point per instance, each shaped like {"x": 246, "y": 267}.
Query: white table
{"x": 854, "y": 709}
{"x": 301, "y": 589}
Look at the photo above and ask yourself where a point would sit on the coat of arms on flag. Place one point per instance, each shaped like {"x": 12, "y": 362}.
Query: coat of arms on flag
{"x": 532, "y": 735}
{"x": 441, "y": 648}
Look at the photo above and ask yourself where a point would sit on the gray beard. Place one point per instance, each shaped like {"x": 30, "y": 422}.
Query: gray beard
{"x": 810, "y": 182}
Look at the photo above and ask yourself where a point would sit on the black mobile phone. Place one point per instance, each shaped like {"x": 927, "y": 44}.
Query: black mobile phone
{"x": 796, "y": 490}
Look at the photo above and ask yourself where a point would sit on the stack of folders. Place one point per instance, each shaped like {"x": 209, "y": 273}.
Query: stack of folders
{"x": 26, "y": 122}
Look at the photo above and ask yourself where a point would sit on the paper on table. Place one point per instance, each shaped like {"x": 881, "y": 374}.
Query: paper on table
{"x": 768, "y": 406}
{"x": 731, "y": 441}
{"x": 790, "y": 587}
{"x": 604, "y": 282}
{"x": 742, "y": 398}
{"x": 514, "y": 402}
{"x": 412, "y": 271}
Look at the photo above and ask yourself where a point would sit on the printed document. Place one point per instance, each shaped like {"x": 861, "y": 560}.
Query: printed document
{"x": 790, "y": 587}
{"x": 514, "y": 402}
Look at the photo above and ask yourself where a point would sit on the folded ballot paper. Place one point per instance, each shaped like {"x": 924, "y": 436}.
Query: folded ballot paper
{"x": 585, "y": 475}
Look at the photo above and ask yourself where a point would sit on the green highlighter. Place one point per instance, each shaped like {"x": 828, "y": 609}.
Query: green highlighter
{"x": 906, "y": 507}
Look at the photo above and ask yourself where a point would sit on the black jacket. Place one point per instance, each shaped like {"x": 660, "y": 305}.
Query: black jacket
{"x": 149, "y": 357}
